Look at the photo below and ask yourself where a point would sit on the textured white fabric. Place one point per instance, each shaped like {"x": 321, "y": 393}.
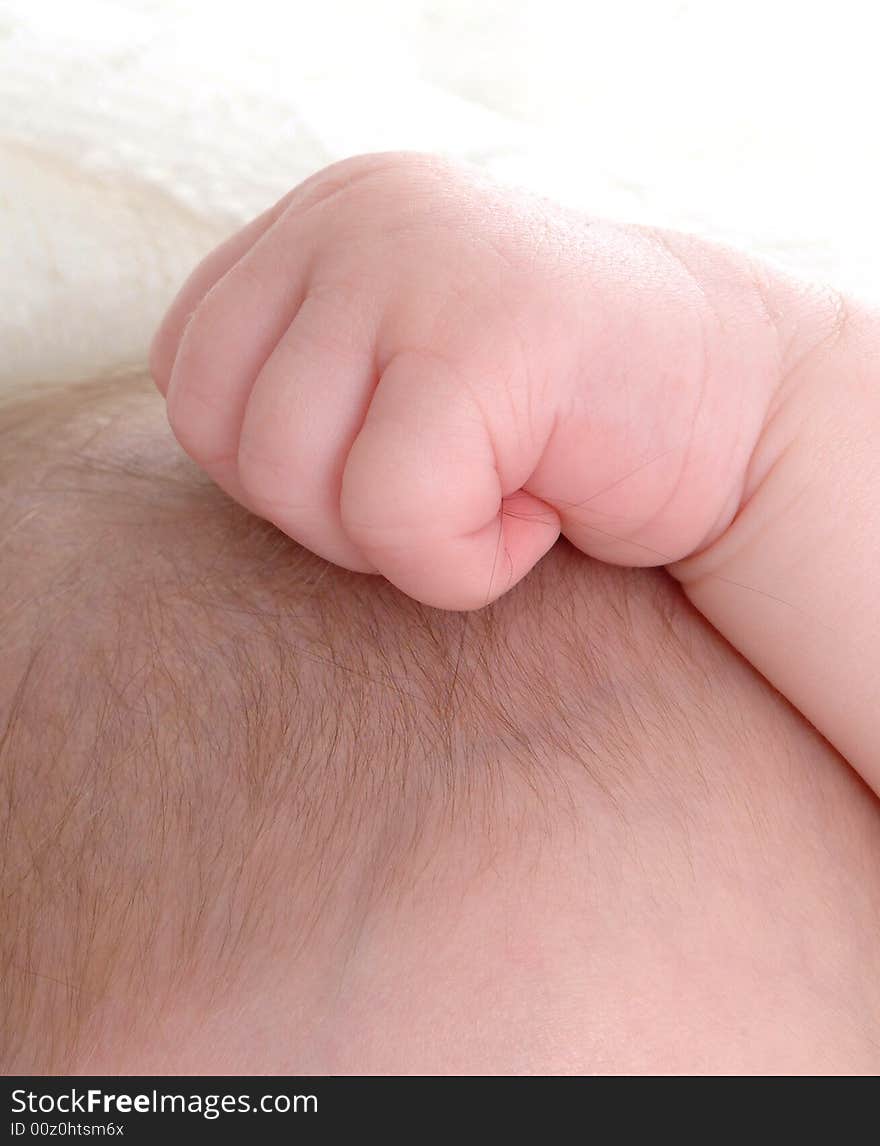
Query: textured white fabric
{"x": 136, "y": 133}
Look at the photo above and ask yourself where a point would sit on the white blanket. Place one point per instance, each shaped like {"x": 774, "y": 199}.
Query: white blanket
{"x": 134, "y": 134}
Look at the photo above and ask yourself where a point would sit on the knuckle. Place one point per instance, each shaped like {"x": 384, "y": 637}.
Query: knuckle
{"x": 261, "y": 475}
{"x": 179, "y": 412}
{"x": 367, "y": 519}
{"x": 190, "y": 433}
{"x": 161, "y": 357}
{"x": 197, "y": 418}
{"x": 364, "y": 179}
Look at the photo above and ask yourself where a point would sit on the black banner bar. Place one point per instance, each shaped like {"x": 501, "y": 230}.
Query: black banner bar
{"x": 269, "y": 1109}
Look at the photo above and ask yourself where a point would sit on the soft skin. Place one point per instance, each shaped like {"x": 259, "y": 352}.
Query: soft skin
{"x": 259, "y": 815}
{"x": 412, "y": 371}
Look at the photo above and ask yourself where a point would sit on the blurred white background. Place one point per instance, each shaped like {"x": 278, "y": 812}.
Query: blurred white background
{"x": 134, "y": 134}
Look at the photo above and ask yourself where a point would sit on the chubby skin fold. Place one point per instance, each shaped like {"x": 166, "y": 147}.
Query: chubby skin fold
{"x": 414, "y": 372}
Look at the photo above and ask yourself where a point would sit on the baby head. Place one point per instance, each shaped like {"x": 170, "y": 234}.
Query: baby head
{"x": 261, "y": 815}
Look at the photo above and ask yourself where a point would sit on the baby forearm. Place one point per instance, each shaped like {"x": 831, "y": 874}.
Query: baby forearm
{"x": 793, "y": 581}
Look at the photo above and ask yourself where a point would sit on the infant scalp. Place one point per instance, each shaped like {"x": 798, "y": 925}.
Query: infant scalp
{"x": 226, "y": 762}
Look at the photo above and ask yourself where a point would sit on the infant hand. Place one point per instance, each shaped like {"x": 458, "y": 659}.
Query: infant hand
{"x": 413, "y": 372}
